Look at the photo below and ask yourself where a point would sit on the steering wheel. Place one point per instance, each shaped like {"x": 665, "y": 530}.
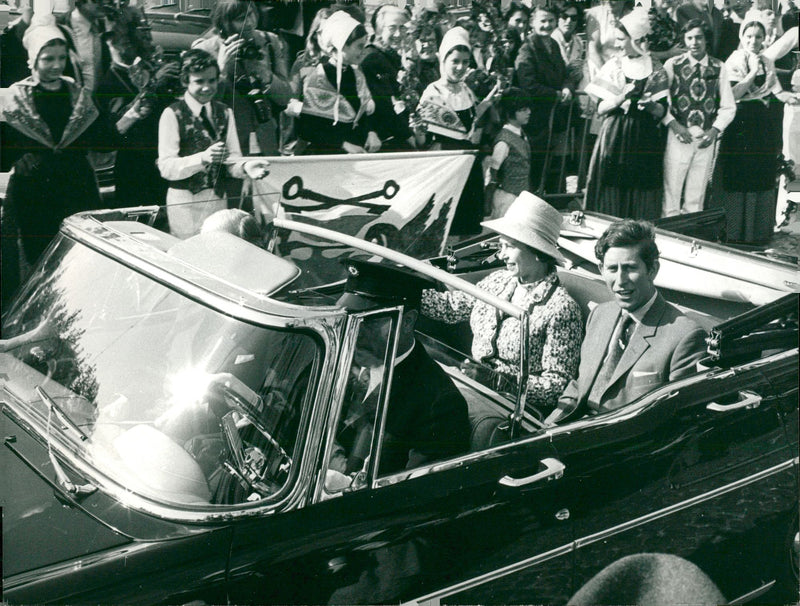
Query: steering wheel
{"x": 254, "y": 457}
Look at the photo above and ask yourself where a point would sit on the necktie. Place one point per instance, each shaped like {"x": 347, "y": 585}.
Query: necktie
{"x": 619, "y": 341}
{"x": 207, "y": 124}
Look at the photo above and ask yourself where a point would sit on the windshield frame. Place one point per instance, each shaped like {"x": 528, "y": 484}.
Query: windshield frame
{"x": 323, "y": 328}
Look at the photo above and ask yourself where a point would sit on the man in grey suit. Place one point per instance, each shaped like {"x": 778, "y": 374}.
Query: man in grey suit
{"x": 636, "y": 342}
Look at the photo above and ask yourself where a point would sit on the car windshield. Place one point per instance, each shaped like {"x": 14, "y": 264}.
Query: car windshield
{"x": 178, "y": 402}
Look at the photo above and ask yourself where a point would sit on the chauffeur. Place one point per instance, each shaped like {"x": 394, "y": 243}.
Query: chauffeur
{"x": 636, "y": 342}
{"x": 427, "y": 418}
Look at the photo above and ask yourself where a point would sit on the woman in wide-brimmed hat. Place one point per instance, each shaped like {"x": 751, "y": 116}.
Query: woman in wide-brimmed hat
{"x": 528, "y": 234}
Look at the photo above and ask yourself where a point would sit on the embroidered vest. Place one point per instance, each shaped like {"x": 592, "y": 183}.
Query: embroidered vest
{"x": 694, "y": 92}
{"x": 195, "y": 138}
{"x": 514, "y": 173}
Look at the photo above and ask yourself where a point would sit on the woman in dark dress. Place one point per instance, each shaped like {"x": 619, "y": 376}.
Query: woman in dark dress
{"x": 50, "y": 123}
{"x": 451, "y": 114}
{"x": 744, "y": 182}
{"x": 626, "y": 169}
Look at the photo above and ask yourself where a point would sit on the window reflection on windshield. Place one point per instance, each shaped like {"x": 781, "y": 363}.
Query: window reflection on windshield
{"x": 180, "y": 402}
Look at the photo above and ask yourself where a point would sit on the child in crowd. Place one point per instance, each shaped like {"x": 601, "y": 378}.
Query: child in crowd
{"x": 198, "y": 148}
{"x": 336, "y": 108}
{"x": 701, "y": 105}
{"x": 451, "y": 114}
{"x": 510, "y": 162}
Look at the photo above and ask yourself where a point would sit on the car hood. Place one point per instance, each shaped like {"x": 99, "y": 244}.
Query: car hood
{"x": 41, "y": 526}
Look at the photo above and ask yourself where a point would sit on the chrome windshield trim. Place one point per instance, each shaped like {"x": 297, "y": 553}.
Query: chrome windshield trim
{"x": 186, "y": 279}
{"x": 435, "y": 596}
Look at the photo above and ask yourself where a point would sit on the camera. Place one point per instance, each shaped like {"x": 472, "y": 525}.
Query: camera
{"x": 250, "y": 51}
{"x": 254, "y": 90}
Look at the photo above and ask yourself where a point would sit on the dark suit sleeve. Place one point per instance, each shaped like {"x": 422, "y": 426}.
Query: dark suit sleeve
{"x": 383, "y": 85}
{"x": 690, "y": 349}
{"x": 427, "y": 418}
{"x": 446, "y": 432}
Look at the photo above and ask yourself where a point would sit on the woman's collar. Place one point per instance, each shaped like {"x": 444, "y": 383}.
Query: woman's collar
{"x": 637, "y": 68}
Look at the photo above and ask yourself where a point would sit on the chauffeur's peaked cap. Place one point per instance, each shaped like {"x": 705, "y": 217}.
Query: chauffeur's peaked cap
{"x": 370, "y": 284}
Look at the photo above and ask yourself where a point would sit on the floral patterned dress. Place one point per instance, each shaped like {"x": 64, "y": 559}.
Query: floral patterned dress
{"x": 554, "y": 331}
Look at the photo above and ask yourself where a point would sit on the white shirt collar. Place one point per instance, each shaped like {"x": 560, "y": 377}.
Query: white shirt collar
{"x": 514, "y": 129}
{"x": 693, "y": 61}
{"x": 639, "y": 314}
{"x": 195, "y": 106}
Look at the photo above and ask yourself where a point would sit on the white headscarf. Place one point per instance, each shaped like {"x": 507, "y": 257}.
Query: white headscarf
{"x": 637, "y": 24}
{"x": 42, "y": 30}
{"x": 332, "y": 37}
{"x": 456, "y": 36}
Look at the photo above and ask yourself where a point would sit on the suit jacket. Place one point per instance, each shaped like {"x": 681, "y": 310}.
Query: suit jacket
{"x": 541, "y": 73}
{"x": 427, "y": 418}
{"x": 665, "y": 346}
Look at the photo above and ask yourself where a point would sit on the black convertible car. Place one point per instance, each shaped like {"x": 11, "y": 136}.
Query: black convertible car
{"x": 169, "y": 411}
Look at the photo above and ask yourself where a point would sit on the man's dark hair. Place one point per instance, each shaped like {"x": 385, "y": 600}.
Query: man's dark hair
{"x": 544, "y": 8}
{"x": 195, "y": 60}
{"x": 629, "y": 232}
{"x": 692, "y": 24}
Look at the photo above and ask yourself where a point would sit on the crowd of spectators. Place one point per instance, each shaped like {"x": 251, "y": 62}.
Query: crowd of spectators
{"x": 674, "y": 95}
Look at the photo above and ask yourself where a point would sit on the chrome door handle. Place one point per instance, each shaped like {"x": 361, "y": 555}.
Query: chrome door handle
{"x": 747, "y": 399}
{"x": 553, "y": 469}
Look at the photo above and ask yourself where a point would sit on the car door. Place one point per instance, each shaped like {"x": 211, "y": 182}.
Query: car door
{"x": 699, "y": 468}
{"x": 452, "y": 531}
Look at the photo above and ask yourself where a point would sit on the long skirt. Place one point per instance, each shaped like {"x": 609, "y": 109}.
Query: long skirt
{"x": 626, "y": 169}
{"x": 745, "y": 177}
{"x": 59, "y": 185}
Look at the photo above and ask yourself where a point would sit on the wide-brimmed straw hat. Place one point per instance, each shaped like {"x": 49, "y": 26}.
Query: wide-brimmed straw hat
{"x": 533, "y": 222}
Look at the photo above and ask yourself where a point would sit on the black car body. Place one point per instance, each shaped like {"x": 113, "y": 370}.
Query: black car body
{"x": 123, "y": 483}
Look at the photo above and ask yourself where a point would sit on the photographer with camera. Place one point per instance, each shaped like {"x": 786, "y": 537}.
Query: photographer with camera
{"x": 254, "y": 68}
{"x": 133, "y": 93}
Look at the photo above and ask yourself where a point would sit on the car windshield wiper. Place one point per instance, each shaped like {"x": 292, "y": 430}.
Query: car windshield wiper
{"x": 53, "y": 406}
{"x": 79, "y": 490}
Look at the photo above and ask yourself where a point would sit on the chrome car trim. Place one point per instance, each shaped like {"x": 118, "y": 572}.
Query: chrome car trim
{"x": 706, "y": 496}
{"x": 58, "y": 571}
{"x": 434, "y": 597}
{"x": 187, "y": 279}
{"x": 752, "y": 595}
